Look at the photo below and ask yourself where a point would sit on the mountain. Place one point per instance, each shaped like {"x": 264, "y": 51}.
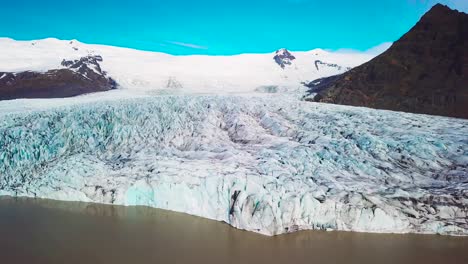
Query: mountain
{"x": 425, "y": 71}
{"x": 79, "y": 76}
{"x": 142, "y": 71}
{"x": 283, "y": 58}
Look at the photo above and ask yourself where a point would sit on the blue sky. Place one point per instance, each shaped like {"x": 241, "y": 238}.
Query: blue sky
{"x": 217, "y": 26}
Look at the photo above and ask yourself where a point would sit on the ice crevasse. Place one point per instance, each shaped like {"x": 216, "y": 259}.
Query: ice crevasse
{"x": 268, "y": 166}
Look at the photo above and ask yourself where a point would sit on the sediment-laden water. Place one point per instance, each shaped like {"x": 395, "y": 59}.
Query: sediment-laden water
{"x": 45, "y": 231}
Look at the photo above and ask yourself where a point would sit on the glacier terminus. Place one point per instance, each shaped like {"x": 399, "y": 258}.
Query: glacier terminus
{"x": 270, "y": 163}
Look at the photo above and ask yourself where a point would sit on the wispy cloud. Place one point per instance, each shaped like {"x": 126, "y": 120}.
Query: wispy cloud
{"x": 187, "y": 45}
{"x": 377, "y": 50}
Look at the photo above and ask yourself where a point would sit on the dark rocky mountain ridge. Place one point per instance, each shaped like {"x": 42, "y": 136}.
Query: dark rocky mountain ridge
{"x": 78, "y": 77}
{"x": 425, "y": 71}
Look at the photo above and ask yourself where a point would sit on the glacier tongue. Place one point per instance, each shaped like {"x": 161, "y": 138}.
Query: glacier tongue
{"x": 269, "y": 165}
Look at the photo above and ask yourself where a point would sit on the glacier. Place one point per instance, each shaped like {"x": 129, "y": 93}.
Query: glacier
{"x": 271, "y": 164}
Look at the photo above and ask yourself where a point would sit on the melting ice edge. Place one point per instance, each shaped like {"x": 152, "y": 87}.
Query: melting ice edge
{"x": 268, "y": 165}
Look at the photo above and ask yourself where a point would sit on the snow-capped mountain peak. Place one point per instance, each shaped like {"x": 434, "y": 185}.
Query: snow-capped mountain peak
{"x": 283, "y": 57}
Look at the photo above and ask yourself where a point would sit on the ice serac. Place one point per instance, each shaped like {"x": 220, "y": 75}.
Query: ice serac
{"x": 270, "y": 165}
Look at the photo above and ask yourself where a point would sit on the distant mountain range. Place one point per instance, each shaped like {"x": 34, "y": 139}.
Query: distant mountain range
{"x": 425, "y": 71}
{"x": 58, "y": 68}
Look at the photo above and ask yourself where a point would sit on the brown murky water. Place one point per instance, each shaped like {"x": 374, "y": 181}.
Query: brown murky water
{"x": 44, "y": 231}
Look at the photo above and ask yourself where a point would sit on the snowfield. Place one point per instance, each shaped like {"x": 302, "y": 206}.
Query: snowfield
{"x": 154, "y": 72}
{"x": 271, "y": 164}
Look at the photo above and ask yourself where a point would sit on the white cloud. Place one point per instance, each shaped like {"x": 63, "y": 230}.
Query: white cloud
{"x": 377, "y": 50}
{"x": 187, "y": 45}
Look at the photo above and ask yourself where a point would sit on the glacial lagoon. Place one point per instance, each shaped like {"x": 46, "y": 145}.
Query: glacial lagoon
{"x": 47, "y": 231}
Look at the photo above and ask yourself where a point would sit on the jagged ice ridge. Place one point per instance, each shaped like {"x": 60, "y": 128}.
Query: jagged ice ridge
{"x": 271, "y": 165}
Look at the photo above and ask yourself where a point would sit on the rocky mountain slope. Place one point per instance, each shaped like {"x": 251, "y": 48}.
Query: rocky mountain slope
{"x": 77, "y": 77}
{"x": 425, "y": 71}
